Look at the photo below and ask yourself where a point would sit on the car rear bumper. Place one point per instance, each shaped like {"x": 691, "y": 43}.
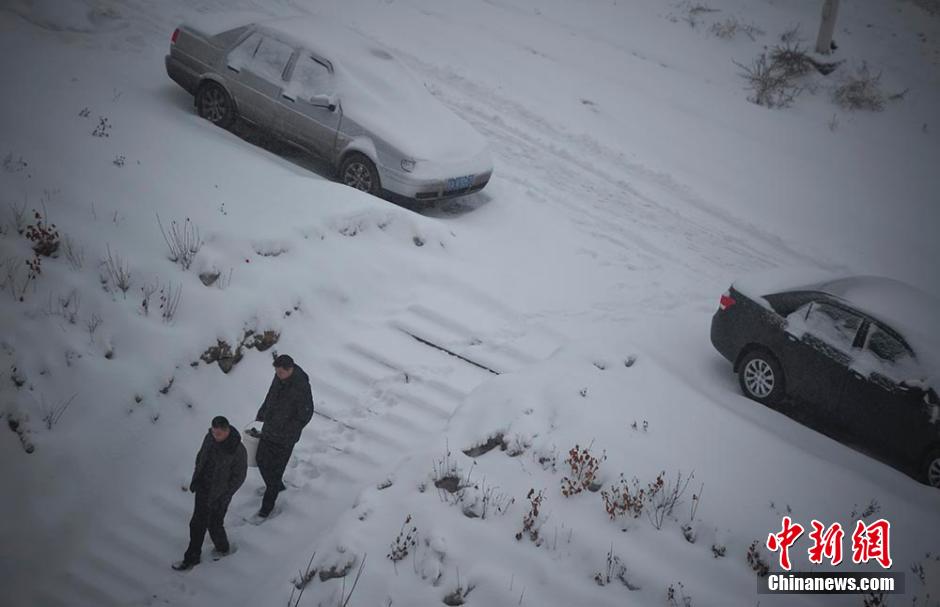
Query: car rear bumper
{"x": 722, "y": 335}
{"x": 181, "y": 74}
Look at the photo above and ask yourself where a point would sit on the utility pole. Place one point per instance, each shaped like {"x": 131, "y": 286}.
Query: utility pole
{"x": 827, "y": 26}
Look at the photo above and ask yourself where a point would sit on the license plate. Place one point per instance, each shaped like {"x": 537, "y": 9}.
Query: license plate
{"x": 459, "y": 183}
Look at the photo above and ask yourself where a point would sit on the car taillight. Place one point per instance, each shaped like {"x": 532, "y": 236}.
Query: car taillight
{"x": 176, "y": 34}
{"x": 726, "y": 301}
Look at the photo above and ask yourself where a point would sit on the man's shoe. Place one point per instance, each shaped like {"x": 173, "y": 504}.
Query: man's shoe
{"x": 220, "y": 554}
{"x": 262, "y": 513}
{"x": 184, "y": 565}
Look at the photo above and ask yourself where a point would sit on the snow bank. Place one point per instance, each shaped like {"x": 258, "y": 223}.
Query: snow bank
{"x": 608, "y": 396}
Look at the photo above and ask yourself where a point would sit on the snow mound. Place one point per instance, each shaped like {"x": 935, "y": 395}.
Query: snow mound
{"x": 399, "y": 225}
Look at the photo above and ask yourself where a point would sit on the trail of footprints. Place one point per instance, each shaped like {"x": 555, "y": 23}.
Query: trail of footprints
{"x": 377, "y": 396}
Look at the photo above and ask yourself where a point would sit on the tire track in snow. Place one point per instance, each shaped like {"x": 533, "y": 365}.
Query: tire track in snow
{"x": 575, "y": 176}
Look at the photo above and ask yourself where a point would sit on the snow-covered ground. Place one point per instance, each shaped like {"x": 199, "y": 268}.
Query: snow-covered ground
{"x": 633, "y": 183}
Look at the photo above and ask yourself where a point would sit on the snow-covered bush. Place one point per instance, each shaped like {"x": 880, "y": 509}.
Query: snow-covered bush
{"x": 481, "y": 500}
{"x": 664, "y": 501}
{"x": 18, "y": 425}
{"x": 53, "y": 412}
{"x": 756, "y": 561}
{"x": 532, "y": 520}
{"x": 169, "y": 299}
{"x": 227, "y": 357}
{"x": 628, "y": 498}
{"x": 459, "y": 594}
{"x": 792, "y": 60}
{"x": 729, "y": 28}
{"x": 103, "y": 129}
{"x": 861, "y": 91}
{"x": 407, "y": 539}
{"x": 615, "y": 570}
{"x": 183, "y": 240}
{"x": 43, "y": 235}
{"x": 74, "y": 253}
{"x": 116, "y": 274}
{"x": 584, "y": 470}
{"x": 692, "y": 12}
{"x": 65, "y": 307}
{"x": 676, "y": 596}
{"x": 771, "y": 84}
{"x": 17, "y": 280}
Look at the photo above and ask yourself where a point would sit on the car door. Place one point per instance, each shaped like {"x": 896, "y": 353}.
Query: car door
{"x": 256, "y": 69}
{"x": 887, "y": 415}
{"x": 821, "y": 341}
{"x": 313, "y": 115}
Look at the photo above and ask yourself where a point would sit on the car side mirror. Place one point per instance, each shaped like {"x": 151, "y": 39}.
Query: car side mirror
{"x": 325, "y": 101}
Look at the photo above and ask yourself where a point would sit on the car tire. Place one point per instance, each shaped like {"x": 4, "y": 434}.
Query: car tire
{"x": 357, "y": 171}
{"x": 930, "y": 471}
{"x": 215, "y": 104}
{"x": 761, "y": 377}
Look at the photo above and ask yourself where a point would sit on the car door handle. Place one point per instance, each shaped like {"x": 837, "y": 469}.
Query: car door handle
{"x": 234, "y": 69}
{"x": 288, "y": 97}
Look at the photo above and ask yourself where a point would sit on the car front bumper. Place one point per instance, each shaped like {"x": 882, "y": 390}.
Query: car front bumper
{"x": 429, "y": 189}
{"x": 433, "y": 180}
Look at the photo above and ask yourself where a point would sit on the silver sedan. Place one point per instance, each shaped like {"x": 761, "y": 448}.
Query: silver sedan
{"x": 336, "y": 94}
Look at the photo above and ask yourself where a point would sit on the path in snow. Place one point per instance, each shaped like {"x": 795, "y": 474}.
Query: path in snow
{"x": 377, "y": 396}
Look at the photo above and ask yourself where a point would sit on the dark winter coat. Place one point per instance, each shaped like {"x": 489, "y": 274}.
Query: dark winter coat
{"x": 286, "y": 409}
{"x": 221, "y": 467}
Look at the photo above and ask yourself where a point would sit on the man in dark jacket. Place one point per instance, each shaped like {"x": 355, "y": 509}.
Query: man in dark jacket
{"x": 221, "y": 466}
{"x": 285, "y": 411}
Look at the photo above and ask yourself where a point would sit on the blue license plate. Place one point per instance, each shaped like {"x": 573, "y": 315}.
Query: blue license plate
{"x": 459, "y": 183}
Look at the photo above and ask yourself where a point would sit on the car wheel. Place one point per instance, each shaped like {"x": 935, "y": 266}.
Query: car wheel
{"x": 932, "y": 468}
{"x": 357, "y": 171}
{"x": 761, "y": 377}
{"x": 215, "y": 104}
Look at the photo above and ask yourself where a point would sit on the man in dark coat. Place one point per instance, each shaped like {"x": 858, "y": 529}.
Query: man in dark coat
{"x": 221, "y": 466}
{"x": 286, "y": 409}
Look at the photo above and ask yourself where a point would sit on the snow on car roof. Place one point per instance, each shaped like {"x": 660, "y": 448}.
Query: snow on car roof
{"x": 904, "y": 308}
{"x": 213, "y": 24}
{"x": 893, "y": 302}
{"x": 778, "y": 280}
{"x": 381, "y": 93}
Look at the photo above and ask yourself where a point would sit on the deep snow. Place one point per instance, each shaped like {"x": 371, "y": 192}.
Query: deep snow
{"x": 633, "y": 183}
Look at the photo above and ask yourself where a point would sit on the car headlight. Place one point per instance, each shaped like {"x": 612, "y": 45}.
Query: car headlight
{"x": 408, "y": 165}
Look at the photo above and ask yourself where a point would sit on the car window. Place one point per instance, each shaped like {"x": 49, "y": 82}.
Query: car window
{"x": 243, "y": 54}
{"x": 833, "y": 325}
{"x": 271, "y": 58}
{"x": 886, "y": 346}
{"x": 311, "y": 77}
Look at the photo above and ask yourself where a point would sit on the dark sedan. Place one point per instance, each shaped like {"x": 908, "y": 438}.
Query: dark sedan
{"x": 860, "y": 351}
